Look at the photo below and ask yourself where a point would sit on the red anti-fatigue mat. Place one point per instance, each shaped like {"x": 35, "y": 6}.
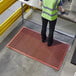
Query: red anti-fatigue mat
{"x": 28, "y": 43}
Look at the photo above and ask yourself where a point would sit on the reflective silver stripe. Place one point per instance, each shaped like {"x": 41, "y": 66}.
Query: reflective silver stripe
{"x": 49, "y": 14}
{"x": 49, "y": 8}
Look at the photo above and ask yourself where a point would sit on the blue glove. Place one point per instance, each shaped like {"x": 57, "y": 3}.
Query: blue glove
{"x": 26, "y": 0}
{"x": 62, "y": 13}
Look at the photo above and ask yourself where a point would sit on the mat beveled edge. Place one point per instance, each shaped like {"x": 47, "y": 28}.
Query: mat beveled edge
{"x": 56, "y": 68}
{"x": 19, "y": 32}
{"x": 8, "y": 45}
{"x": 64, "y": 56}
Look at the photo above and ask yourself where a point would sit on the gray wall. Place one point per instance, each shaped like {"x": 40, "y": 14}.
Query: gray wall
{"x": 73, "y": 6}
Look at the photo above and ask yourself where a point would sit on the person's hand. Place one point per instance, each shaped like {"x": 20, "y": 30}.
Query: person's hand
{"x": 64, "y": 12}
{"x": 61, "y": 9}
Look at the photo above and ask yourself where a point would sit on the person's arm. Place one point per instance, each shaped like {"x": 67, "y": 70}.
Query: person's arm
{"x": 60, "y": 8}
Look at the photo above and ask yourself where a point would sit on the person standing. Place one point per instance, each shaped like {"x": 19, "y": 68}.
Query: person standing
{"x": 50, "y": 9}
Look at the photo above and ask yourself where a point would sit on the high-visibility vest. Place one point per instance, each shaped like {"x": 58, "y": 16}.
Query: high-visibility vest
{"x": 49, "y": 9}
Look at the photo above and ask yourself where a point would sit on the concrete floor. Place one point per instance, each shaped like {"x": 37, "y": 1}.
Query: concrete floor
{"x": 15, "y": 64}
{"x": 64, "y": 26}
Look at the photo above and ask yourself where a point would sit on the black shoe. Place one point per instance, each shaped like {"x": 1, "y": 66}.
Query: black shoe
{"x": 43, "y": 40}
{"x": 49, "y": 43}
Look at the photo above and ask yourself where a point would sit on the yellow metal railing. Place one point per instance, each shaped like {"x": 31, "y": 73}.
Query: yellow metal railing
{"x": 7, "y": 23}
{"x": 4, "y": 4}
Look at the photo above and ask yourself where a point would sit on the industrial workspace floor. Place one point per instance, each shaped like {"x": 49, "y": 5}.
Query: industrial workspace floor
{"x": 15, "y": 64}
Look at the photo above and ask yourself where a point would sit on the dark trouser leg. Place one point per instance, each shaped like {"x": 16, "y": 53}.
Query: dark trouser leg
{"x": 51, "y": 32}
{"x": 43, "y": 30}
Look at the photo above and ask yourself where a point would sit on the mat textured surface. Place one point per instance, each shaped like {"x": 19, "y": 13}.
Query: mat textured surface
{"x": 28, "y": 43}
